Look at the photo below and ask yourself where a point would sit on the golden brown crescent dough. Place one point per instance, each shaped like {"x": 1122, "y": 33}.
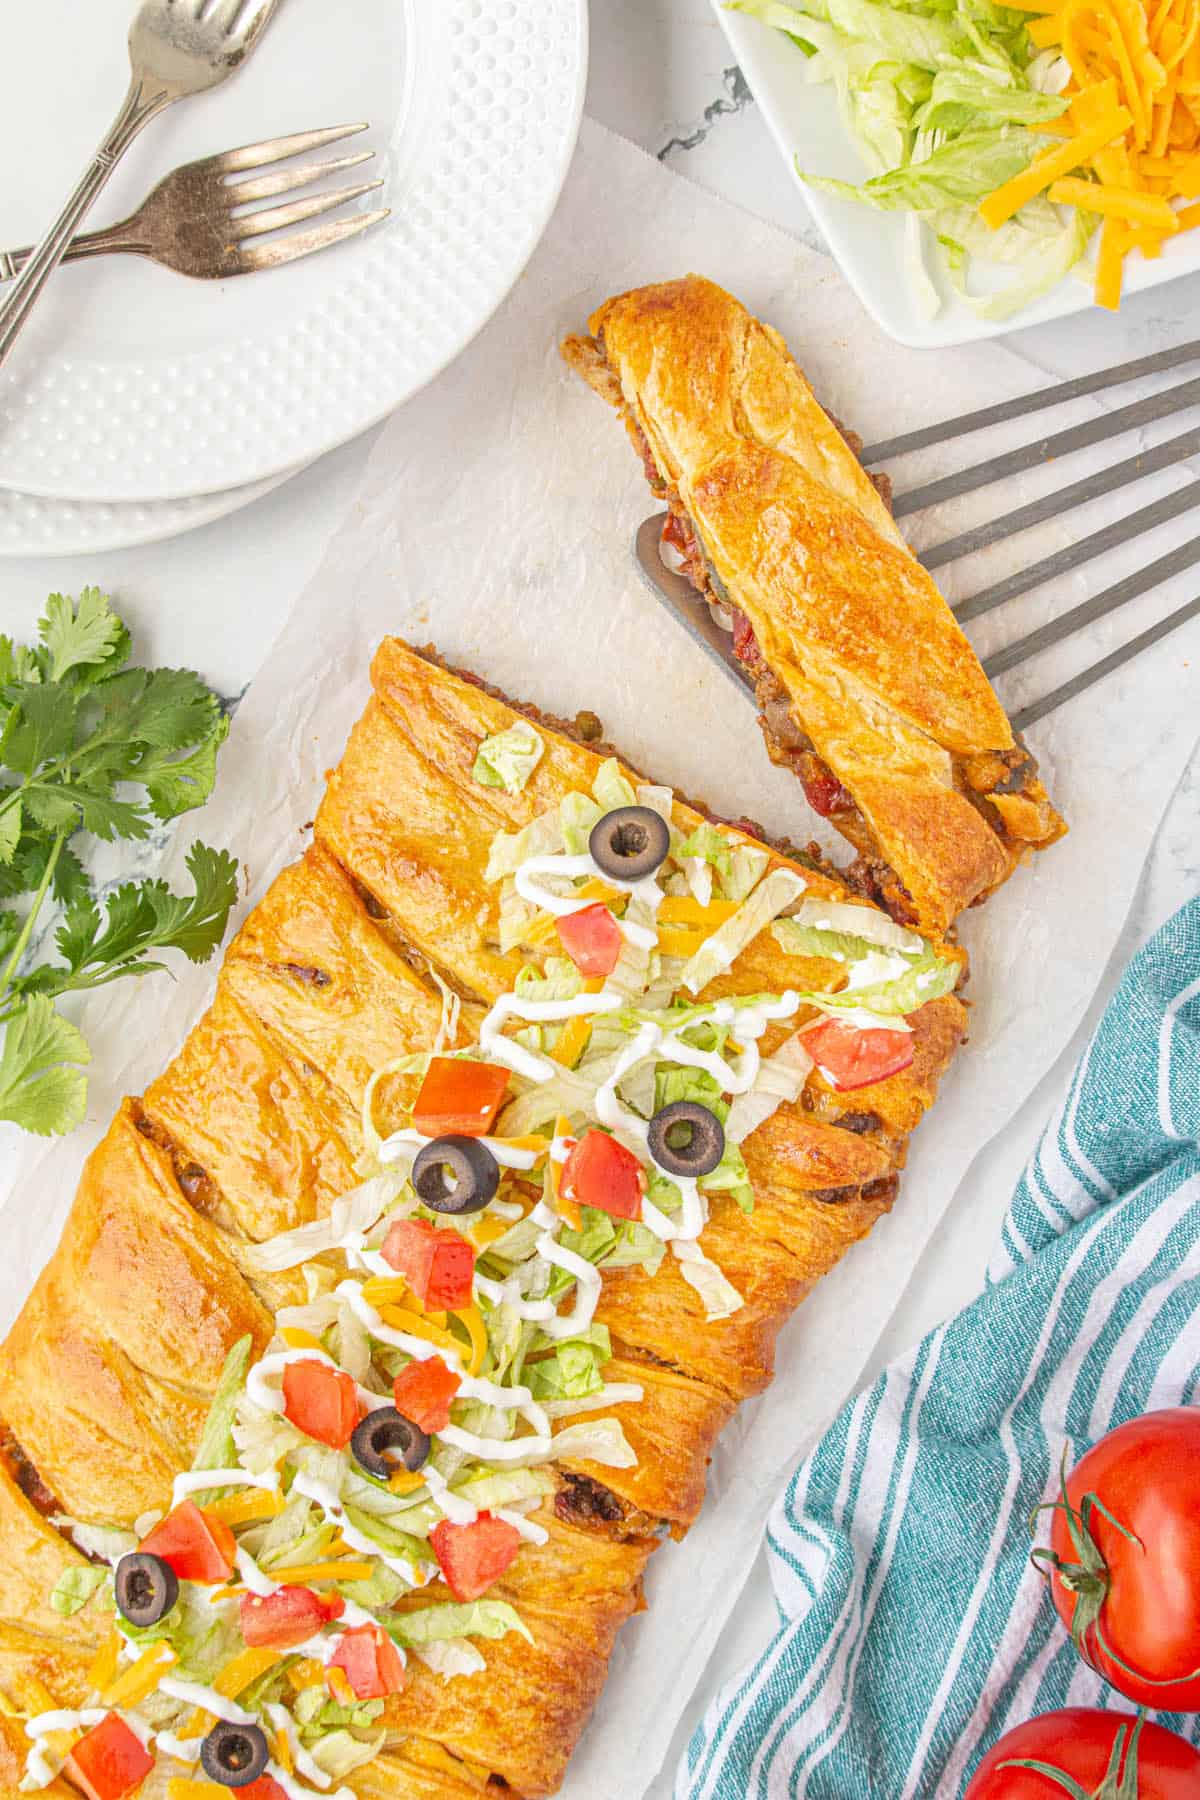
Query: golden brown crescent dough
{"x": 867, "y": 687}
{"x": 256, "y": 1127}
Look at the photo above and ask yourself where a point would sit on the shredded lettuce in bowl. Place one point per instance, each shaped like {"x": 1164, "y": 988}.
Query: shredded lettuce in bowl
{"x": 944, "y": 99}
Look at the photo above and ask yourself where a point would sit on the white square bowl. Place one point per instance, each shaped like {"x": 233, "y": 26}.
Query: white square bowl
{"x": 804, "y": 120}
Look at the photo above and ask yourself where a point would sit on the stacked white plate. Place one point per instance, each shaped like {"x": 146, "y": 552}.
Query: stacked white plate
{"x": 138, "y": 403}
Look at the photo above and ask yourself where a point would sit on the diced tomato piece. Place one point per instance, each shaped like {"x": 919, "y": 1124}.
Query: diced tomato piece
{"x": 822, "y": 789}
{"x": 745, "y": 644}
{"x": 603, "y": 1173}
{"x": 109, "y": 1762}
{"x": 322, "y": 1402}
{"x": 472, "y": 1556}
{"x": 591, "y": 938}
{"x": 265, "y": 1788}
{"x": 370, "y": 1662}
{"x": 289, "y": 1616}
{"x": 424, "y": 1390}
{"x": 198, "y": 1546}
{"x": 459, "y": 1098}
{"x": 850, "y": 1058}
{"x": 439, "y": 1266}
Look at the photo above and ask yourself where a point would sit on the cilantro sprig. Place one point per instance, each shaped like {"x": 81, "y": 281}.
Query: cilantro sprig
{"x": 81, "y": 732}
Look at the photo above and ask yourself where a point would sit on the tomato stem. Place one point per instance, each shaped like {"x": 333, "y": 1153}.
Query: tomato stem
{"x": 1089, "y": 1578}
{"x": 1118, "y": 1783}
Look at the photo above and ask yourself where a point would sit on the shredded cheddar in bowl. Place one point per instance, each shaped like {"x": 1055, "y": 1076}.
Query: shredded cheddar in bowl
{"x": 1130, "y": 139}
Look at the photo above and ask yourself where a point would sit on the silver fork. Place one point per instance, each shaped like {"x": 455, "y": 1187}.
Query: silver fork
{"x": 191, "y": 221}
{"x": 714, "y": 635}
{"x": 176, "y": 48}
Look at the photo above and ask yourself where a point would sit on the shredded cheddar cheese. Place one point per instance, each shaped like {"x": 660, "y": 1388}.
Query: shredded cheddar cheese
{"x": 572, "y": 1041}
{"x": 249, "y": 1505}
{"x": 1137, "y": 63}
{"x": 339, "y": 1686}
{"x": 296, "y": 1339}
{"x": 471, "y": 1320}
{"x": 104, "y": 1669}
{"x": 402, "y": 1319}
{"x": 307, "y": 1673}
{"x": 309, "y": 1574}
{"x": 141, "y": 1678}
{"x": 567, "y": 1210}
{"x": 684, "y": 909}
{"x": 246, "y": 1667}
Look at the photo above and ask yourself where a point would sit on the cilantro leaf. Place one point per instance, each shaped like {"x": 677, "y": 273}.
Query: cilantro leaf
{"x": 91, "y": 745}
{"x": 141, "y": 917}
{"x": 10, "y": 930}
{"x": 17, "y": 663}
{"x": 10, "y": 831}
{"x": 177, "y": 785}
{"x": 88, "y": 635}
{"x": 40, "y": 727}
{"x": 71, "y": 809}
{"x": 42, "y": 1086}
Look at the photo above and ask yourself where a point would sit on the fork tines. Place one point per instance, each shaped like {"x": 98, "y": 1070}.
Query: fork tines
{"x": 256, "y": 187}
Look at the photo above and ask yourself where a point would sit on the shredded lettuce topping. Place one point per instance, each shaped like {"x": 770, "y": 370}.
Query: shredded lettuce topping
{"x": 944, "y": 99}
{"x": 507, "y": 759}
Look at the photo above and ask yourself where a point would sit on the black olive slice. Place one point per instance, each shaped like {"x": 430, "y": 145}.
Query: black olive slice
{"x": 234, "y": 1755}
{"x": 146, "y": 1588}
{"x": 686, "y": 1139}
{"x": 386, "y": 1430}
{"x": 630, "y": 842}
{"x": 455, "y": 1175}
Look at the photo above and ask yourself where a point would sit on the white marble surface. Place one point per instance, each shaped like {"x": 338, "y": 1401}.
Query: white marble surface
{"x": 661, "y": 74}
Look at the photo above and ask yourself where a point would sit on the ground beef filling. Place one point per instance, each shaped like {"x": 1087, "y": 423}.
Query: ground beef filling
{"x": 26, "y": 1477}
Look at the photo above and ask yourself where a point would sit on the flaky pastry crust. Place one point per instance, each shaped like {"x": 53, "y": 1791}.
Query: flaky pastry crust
{"x": 255, "y": 1127}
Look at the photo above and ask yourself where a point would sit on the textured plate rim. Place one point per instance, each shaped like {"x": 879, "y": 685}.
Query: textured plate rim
{"x": 353, "y": 420}
{"x": 176, "y": 518}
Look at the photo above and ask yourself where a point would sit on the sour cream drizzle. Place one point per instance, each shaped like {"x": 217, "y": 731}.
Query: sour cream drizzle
{"x": 199, "y": 1481}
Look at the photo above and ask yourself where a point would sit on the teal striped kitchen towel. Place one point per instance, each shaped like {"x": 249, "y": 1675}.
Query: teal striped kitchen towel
{"x": 913, "y": 1631}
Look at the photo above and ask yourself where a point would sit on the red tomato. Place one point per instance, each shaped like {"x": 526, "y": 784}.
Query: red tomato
{"x": 591, "y": 938}
{"x": 823, "y": 791}
{"x": 263, "y": 1789}
{"x": 850, "y": 1058}
{"x": 600, "y": 1172}
{"x": 472, "y": 1556}
{"x": 289, "y": 1616}
{"x": 423, "y": 1392}
{"x": 370, "y": 1662}
{"x": 322, "y": 1402}
{"x": 439, "y": 1266}
{"x": 109, "y": 1762}
{"x": 198, "y": 1546}
{"x": 459, "y": 1098}
{"x": 745, "y": 644}
{"x": 1144, "y": 1603}
{"x": 1077, "y": 1743}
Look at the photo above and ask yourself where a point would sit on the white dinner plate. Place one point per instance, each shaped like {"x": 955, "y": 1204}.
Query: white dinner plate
{"x": 131, "y": 383}
{"x": 869, "y": 246}
{"x": 40, "y": 525}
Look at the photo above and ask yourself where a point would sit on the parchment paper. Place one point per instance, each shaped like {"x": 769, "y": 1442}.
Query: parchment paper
{"x": 496, "y": 519}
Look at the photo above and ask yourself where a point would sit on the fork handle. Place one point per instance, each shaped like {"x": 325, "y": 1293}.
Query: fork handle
{"x": 136, "y": 111}
{"x": 107, "y": 241}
